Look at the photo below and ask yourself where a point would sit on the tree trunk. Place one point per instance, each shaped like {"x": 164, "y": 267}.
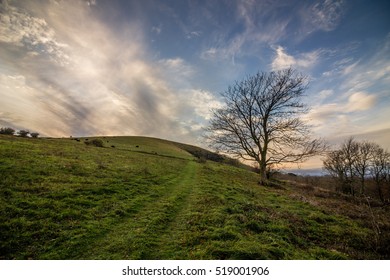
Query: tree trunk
{"x": 362, "y": 187}
{"x": 380, "y": 193}
{"x": 263, "y": 174}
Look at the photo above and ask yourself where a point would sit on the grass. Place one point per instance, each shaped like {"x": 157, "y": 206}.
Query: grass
{"x": 152, "y": 199}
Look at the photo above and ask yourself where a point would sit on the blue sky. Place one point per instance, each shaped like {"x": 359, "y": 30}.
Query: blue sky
{"x": 156, "y": 68}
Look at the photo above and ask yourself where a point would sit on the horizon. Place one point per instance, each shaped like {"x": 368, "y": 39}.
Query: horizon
{"x": 157, "y": 68}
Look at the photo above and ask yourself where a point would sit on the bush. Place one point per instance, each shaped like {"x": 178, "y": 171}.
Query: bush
{"x": 95, "y": 142}
{"x": 7, "y": 131}
{"x": 23, "y": 133}
{"x": 34, "y": 134}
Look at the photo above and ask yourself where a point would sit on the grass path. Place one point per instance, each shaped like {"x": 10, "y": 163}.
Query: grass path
{"x": 143, "y": 235}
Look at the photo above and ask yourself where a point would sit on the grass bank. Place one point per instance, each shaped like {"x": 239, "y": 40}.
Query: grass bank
{"x": 145, "y": 198}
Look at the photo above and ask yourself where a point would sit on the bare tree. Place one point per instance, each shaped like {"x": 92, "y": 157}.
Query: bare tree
{"x": 354, "y": 162}
{"x": 342, "y": 163}
{"x": 334, "y": 163}
{"x": 350, "y": 150}
{"x": 363, "y": 161}
{"x": 261, "y": 121}
{"x": 379, "y": 169}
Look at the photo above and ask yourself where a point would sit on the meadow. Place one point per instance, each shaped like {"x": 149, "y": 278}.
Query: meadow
{"x": 146, "y": 198}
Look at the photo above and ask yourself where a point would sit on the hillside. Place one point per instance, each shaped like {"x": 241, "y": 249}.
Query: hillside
{"x": 146, "y": 198}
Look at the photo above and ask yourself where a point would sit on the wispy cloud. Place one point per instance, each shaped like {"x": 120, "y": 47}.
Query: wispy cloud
{"x": 273, "y": 23}
{"x": 177, "y": 66}
{"x": 21, "y": 29}
{"x": 284, "y": 60}
{"x": 344, "y": 116}
{"x": 323, "y": 15}
{"x": 108, "y": 85}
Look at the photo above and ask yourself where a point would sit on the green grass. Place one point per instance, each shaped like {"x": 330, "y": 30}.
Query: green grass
{"x": 62, "y": 199}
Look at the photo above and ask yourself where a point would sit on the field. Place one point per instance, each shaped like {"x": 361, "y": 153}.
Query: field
{"x": 146, "y": 198}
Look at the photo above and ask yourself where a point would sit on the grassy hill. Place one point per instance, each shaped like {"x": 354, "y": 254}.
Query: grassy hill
{"x": 146, "y": 198}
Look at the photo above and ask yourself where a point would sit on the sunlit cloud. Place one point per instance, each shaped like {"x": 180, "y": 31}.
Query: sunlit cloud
{"x": 177, "y": 67}
{"x": 204, "y": 103}
{"x": 337, "y": 120}
{"x": 107, "y": 86}
{"x": 34, "y": 34}
{"x": 360, "y": 101}
{"x": 284, "y": 60}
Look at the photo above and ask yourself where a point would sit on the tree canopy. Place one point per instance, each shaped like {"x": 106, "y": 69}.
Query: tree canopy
{"x": 262, "y": 121}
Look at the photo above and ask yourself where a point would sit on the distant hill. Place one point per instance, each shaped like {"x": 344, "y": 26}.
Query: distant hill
{"x": 306, "y": 171}
{"x": 147, "y": 198}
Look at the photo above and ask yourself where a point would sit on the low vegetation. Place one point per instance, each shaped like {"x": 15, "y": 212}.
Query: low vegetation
{"x": 153, "y": 199}
{"x": 21, "y": 133}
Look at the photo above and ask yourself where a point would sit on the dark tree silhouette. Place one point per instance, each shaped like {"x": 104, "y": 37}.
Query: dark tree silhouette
{"x": 7, "y": 131}
{"x": 23, "y": 133}
{"x": 354, "y": 161}
{"x": 261, "y": 121}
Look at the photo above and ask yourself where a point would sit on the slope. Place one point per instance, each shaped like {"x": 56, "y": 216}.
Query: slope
{"x": 146, "y": 198}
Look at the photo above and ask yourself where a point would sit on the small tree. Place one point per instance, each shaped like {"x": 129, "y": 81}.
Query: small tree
{"x": 379, "y": 169}
{"x": 362, "y": 162}
{"x": 341, "y": 164}
{"x": 34, "y": 134}
{"x": 7, "y": 131}
{"x": 354, "y": 162}
{"x": 350, "y": 151}
{"x": 23, "y": 133}
{"x": 262, "y": 122}
{"x": 334, "y": 163}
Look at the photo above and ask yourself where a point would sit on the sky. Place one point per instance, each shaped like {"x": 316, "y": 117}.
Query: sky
{"x": 157, "y": 68}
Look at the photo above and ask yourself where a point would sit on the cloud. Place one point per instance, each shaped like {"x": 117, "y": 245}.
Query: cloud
{"x": 227, "y": 51}
{"x": 261, "y": 24}
{"x": 360, "y": 101}
{"x": 209, "y": 54}
{"x": 204, "y": 103}
{"x": 157, "y": 29}
{"x": 272, "y": 22}
{"x": 194, "y": 108}
{"x": 21, "y": 29}
{"x": 283, "y": 60}
{"x": 91, "y": 2}
{"x": 193, "y": 34}
{"x": 264, "y": 20}
{"x": 177, "y": 66}
{"x": 371, "y": 73}
{"x": 344, "y": 117}
{"x": 324, "y": 15}
{"x": 109, "y": 84}
{"x": 24, "y": 107}
{"x": 325, "y": 93}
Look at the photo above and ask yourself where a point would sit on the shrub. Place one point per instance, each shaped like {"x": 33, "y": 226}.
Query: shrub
{"x": 34, "y": 134}
{"x": 23, "y": 133}
{"x": 95, "y": 142}
{"x": 7, "y": 131}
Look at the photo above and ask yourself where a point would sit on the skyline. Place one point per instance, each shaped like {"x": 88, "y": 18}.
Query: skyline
{"x": 156, "y": 68}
